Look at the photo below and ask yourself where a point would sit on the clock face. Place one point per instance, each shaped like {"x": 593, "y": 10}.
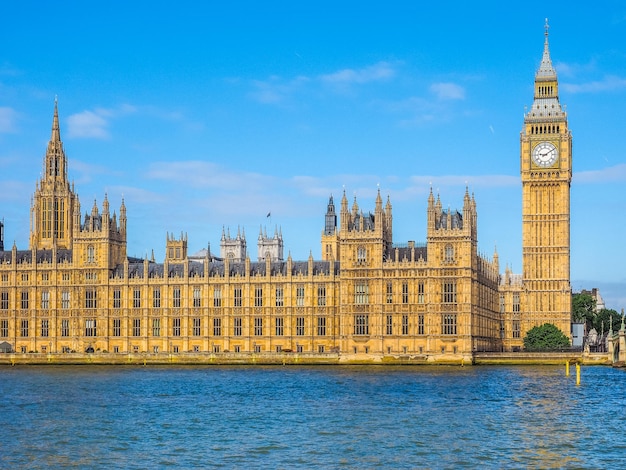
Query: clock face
{"x": 545, "y": 154}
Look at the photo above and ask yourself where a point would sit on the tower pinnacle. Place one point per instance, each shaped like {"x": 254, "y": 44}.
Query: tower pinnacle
{"x": 546, "y": 70}
{"x": 56, "y": 133}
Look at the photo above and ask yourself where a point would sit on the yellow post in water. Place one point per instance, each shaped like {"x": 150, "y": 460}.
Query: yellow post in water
{"x": 567, "y": 368}
{"x": 577, "y": 373}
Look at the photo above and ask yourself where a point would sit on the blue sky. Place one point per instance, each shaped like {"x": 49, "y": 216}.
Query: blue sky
{"x": 204, "y": 115}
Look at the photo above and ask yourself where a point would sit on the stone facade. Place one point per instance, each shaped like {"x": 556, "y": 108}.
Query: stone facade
{"x": 75, "y": 288}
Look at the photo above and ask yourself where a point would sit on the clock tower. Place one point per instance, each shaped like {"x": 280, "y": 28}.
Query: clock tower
{"x": 546, "y": 171}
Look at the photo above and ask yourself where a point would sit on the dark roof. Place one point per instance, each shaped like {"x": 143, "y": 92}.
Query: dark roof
{"x": 216, "y": 269}
{"x": 26, "y": 256}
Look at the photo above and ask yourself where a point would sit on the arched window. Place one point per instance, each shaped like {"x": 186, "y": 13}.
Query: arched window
{"x": 361, "y": 255}
{"x": 449, "y": 254}
{"x": 91, "y": 254}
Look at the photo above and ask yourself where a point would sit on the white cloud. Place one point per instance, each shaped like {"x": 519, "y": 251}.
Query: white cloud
{"x": 88, "y": 124}
{"x": 8, "y": 117}
{"x": 376, "y": 72}
{"x": 95, "y": 124}
{"x": 276, "y": 90}
{"x": 199, "y": 174}
{"x": 448, "y": 91}
{"x": 604, "y": 175}
{"x": 608, "y": 83}
{"x": 473, "y": 181}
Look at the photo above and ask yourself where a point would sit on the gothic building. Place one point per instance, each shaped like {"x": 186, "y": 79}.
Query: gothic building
{"x": 75, "y": 288}
{"x": 542, "y": 293}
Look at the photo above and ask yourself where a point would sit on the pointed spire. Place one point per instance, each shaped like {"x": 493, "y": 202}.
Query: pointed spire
{"x": 344, "y": 202}
{"x": 355, "y": 206}
{"x": 105, "y": 205}
{"x": 546, "y": 70}
{"x": 56, "y": 133}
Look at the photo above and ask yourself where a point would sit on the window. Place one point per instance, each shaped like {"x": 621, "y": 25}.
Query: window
{"x": 156, "y": 298}
{"x": 279, "y": 326}
{"x": 237, "y": 326}
{"x": 90, "y": 298}
{"x": 361, "y": 293}
{"x": 217, "y": 297}
{"x": 448, "y": 324}
{"x": 176, "y": 297}
{"x": 24, "y": 303}
{"x": 389, "y": 293}
{"x": 280, "y": 297}
{"x": 321, "y": 326}
{"x": 4, "y": 328}
{"x": 321, "y": 296}
{"x": 45, "y": 300}
{"x": 217, "y": 327}
{"x": 117, "y": 327}
{"x": 136, "y": 327}
{"x": 361, "y": 325}
{"x": 361, "y": 255}
{"x": 420, "y": 292}
{"x": 300, "y": 296}
{"x": 24, "y": 277}
{"x": 258, "y": 326}
{"x": 299, "y": 348}
{"x": 196, "y": 326}
{"x": 516, "y": 301}
{"x": 516, "y": 329}
{"x": 258, "y": 296}
{"x": 216, "y": 348}
{"x": 176, "y": 327}
{"x": 65, "y": 328}
{"x": 405, "y": 324}
{"x": 117, "y": 298}
{"x": 136, "y": 298}
{"x": 90, "y": 327}
{"x": 4, "y": 300}
{"x": 320, "y": 349}
{"x": 257, "y": 348}
{"x": 299, "y": 326}
{"x": 420, "y": 324}
{"x": 65, "y": 300}
{"x": 156, "y": 327}
{"x": 45, "y": 277}
{"x": 449, "y": 254}
{"x": 449, "y": 292}
{"x": 44, "y": 327}
{"x": 91, "y": 254}
{"x": 405, "y": 292}
{"x": 502, "y": 303}
{"x": 24, "y": 328}
{"x": 237, "y": 297}
{"x": 389, "y": 325}
{"x": 197, "y": 299}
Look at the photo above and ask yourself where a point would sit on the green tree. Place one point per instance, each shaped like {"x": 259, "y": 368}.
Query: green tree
{"x": 546, "y": 337}
{"x": 583, "y": 308}
{"x": 602, "y": 320}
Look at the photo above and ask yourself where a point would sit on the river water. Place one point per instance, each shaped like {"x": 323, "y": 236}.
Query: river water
{"x": 312, "y": 417}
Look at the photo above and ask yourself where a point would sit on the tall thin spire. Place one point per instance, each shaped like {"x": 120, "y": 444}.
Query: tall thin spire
{"x": 56, "y": 133}
{"x": 546, "y": 70}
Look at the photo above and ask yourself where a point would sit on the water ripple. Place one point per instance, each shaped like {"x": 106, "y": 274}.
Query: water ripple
{"x": 312, "y": 417}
